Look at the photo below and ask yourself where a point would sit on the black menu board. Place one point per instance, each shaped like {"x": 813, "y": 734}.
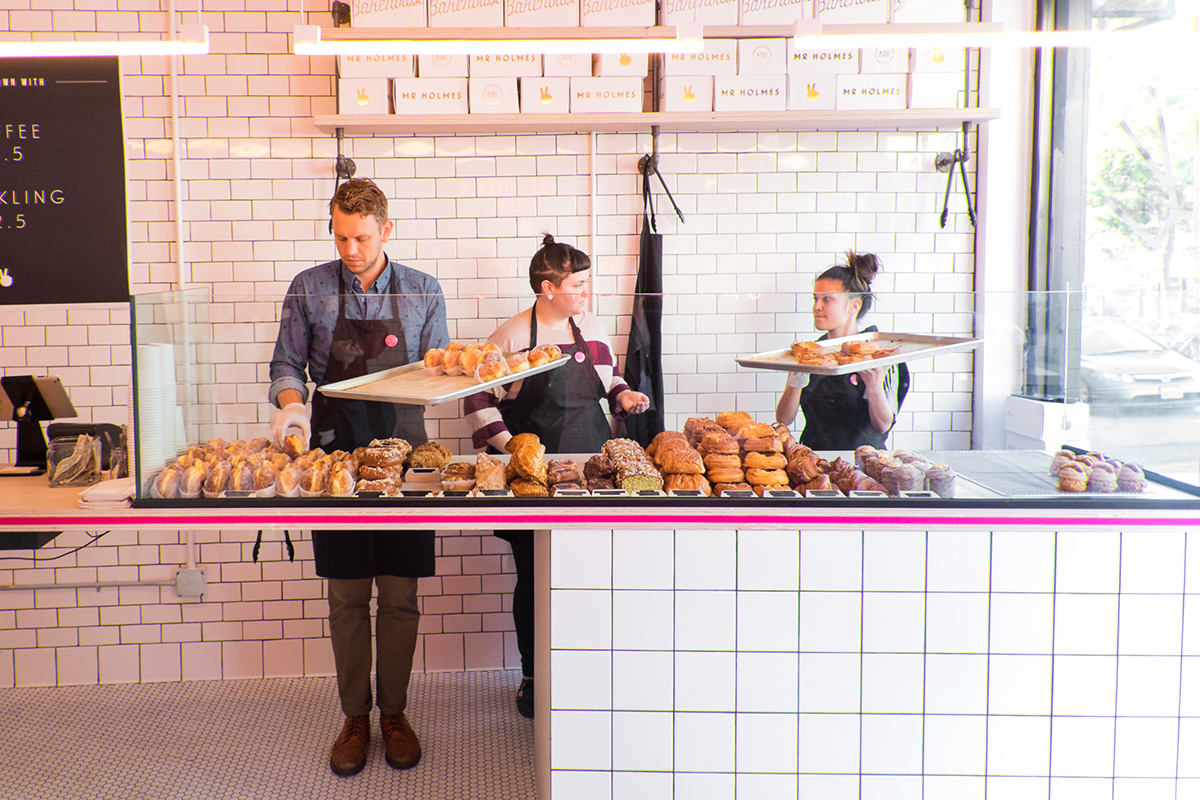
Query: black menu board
{"x": 63, "y": 236}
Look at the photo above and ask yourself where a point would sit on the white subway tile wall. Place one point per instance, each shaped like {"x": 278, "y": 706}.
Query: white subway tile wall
{"x": 765, "y": 213}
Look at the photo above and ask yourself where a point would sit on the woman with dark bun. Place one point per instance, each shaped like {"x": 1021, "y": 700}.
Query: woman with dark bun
{"x": 565, "y": 406}
{"x": 842, "y": 412}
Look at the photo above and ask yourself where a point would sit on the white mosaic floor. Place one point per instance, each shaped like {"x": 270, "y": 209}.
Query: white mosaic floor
{"x": 251, "y": 739}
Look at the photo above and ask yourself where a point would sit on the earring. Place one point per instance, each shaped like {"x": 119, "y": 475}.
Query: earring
{"x": 549, "y": 297}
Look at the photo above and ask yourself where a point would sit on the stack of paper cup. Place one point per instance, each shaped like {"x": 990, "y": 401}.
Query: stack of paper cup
{"x": 156, "y": 396}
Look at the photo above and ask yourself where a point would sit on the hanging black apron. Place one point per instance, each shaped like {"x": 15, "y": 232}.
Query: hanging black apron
{"x": 836, "y": 413}
{"x": 562, "y": 406}
{"x": 360, "y": 347}
{"x": 643, "y": 355}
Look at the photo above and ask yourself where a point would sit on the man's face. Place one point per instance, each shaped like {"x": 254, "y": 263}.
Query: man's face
{"x": 360, "y": 243}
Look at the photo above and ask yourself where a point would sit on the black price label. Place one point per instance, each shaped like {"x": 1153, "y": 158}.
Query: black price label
{"x": 63, "y": 230}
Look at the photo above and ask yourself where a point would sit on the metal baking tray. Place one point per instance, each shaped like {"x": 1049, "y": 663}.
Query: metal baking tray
{"x": 413, "y": 385}
{"x": 912, "y": 347}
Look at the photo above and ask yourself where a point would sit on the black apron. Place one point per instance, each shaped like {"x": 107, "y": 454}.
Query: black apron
{"x": 836, "y": 413}
{"x": 643, "y": 356}
{"x": 562, "y": 406}
{"x": 361, "y": 347}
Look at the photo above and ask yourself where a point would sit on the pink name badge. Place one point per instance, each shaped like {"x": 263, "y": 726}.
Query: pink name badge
{"x": 390, "y": 340}
{"x": 580, "y": 357}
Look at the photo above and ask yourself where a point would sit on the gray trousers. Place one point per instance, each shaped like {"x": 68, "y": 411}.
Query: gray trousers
{"x": 395, "y": 641}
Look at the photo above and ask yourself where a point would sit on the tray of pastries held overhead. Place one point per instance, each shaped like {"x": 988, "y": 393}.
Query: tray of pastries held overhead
{"x": 855, "y": 353}
{"x": 448, "y": 374}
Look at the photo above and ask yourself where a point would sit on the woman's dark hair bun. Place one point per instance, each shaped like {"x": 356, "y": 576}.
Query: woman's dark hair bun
{"x": 865, "y": 266}
{"x": 547, "y": 240}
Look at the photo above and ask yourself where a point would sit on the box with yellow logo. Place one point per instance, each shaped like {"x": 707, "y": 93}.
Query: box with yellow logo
{"x": 441, "y": 66}
{"x": 938, "y": 59}
{"x": 567, "y": 65}
{"x": 762, "y": 57}
{"x": 492, "y": 95}
{"x": 430, "y": 95}
{"x": 815, "y": 92}
{"x": 606, "y": 95}
{"x": 750, "y": 93}
{"x": 718, "y": 58}
{"x": 685, "y": 93}
{"x": 621, "y": 65}
{"x": 362, "y": 95}
{"x": 545, "y": 95}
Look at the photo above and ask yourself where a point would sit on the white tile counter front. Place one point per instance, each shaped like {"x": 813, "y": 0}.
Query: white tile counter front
{"x": 963, "y": 661}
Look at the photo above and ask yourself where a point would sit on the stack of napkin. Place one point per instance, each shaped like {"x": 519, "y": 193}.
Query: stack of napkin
{"x": 108, "y": 494}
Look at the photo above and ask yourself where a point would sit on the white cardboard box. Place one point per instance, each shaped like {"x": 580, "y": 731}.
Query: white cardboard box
{"x": 875, "y": 92}
{"x": 545, "y": 95}
{"x": 388, "y": 14}
{"x": 567, "y": 65}
{"x": 762, "y": 57}
{"x": 883, "y": 61}
{"x": 685, "y": 93}
{"x": 441, "y": 66}
{"x": 935, "y": 90}
{"x": 1044, "y": 422}
{"x": 812, "y": 92}
{"x": 774, "y": 12}
{"x": 616, "y": 13}
{"x": 852, "y": 12}
{"x": 541, "y": 13}
{"x": 525, "y": 65}
{"x": 905, "y": 11}
{"x": 469, "y": 14}
{"x": 375, "y": 66}
{"x": 492, "y": 96}
{"x": 362, "y": 95}
{"x": 702, "y": 12}
{"x": 621, "y": 65}
{"x": 606, "y": 95}
{"x": 750, "y": 93}
{"x": 430, "y": 95}
{"x": 719, "y": 57}
{"x": 821, "y": 62}
{"x": 937, "y": 59}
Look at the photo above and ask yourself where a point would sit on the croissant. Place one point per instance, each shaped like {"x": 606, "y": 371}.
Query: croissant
{"x": 680, "y": 458}
{"x": 529, "y": 460}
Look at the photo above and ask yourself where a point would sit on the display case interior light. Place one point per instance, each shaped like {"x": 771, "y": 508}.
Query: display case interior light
{"x": 192, "y": 41}
{"x": 810, "y": 35}
{"x": 307, "y": 41}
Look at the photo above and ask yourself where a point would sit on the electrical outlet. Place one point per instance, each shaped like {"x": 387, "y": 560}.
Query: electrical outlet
{"x": 189, "y": 582}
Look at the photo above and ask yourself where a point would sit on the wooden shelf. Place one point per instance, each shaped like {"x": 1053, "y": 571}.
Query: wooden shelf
{"x": 679, "y": 122}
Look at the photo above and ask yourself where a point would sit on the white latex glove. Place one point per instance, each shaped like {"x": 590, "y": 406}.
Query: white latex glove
{"x": 798, "y": 380}
{"x": 293, "y": 415}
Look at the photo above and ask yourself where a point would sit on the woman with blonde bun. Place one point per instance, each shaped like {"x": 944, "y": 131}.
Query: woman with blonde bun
{"x": 842, "y": 412}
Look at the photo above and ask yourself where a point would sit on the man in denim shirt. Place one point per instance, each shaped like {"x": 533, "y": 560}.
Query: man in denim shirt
{"x": 359, "y": 315}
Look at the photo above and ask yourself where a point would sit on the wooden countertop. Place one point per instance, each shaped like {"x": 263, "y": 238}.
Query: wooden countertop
{"x": 28, "y": 503}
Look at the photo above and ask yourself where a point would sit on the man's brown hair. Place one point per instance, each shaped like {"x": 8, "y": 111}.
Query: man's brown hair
{"x": 362, "y": 197}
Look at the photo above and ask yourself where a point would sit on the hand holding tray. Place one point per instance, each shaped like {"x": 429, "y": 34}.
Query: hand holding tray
{"x": 908, "y": 347}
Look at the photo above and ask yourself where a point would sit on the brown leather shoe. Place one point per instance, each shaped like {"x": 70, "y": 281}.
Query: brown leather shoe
{"x": 349, "y": 753}
{"x": 402, "y": 748}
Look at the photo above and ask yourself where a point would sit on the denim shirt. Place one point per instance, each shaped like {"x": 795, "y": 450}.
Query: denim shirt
{"x": 310, "y": 312}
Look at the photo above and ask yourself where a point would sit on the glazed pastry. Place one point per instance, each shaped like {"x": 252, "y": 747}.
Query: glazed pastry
{"x": 458, "y": 476}
{"x": 722, "y": 488}
{"x": 469, "y": 360}
{"x": 599, "y": 466}
{"x": 429, "y": 454}
{"x": 1071, "y": 478}
{"x": 695, "y": 428}
{"x": 764, "y": 461}
{"x": 521, "y": 439}
{"x": 341, "y": 483}
{"x": 757, "y": 430}
{"x": 1060, "y": 458}
{"x": 726, "y": 476}
{"x": 265, "y": 479}
{"x": 489, "y": 472}
{"x": 542, "y": 355}
{"x": 166, "y": 484}
{"x": 294, "y": 445}
{"x": 193, "y": 479}
{"x": 681, "y": 482}
{"x": 241, "y": 479}
{"x": 1102, "y": 479}
{"x": 762, "y": 444}
{"x": 728, "y": 419}
{"x": 517, "y": 362}
{"x": 678, "y": 458}
{"x": 385, "y": 453}
{"x": 722, "y": 461}
{"x": 939, "y": 479}
{"x": 314, "y": 481}
{"x": 287, "y": 481}
{"x": 766, "y": 477}
{"x": 527, "y": 488}
{"x": 1130, "y": 478}
{"x": 721, "y": 442}
{"x": 662, "y": 438}
{"x": 433, "y": 361}
{"x": 821, "y": 483}
{"x": 562, "y": 470}
{"x": 491, "y": 368}
{"x": 900, "y": 477}
{"x": 861, "y": 453}
{"x": 529, "y": 463}
{"x": 386, "y": 488}
{"x": 601, "y": 483}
